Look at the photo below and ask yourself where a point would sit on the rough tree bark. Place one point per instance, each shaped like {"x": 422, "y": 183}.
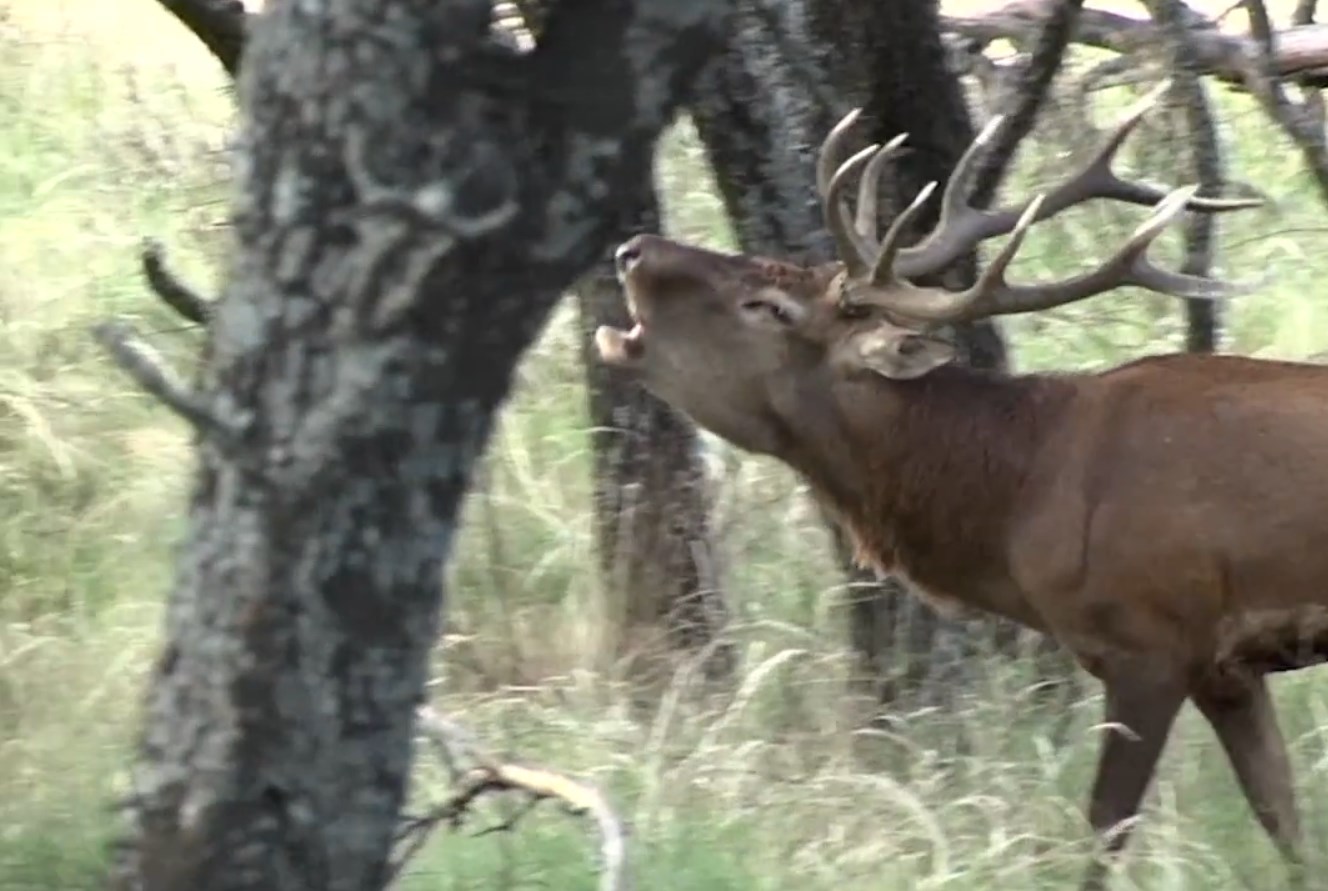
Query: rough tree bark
{"x": 652, "y": 498}
{"x": 788, "y": 72}
{"x": 658, "y": 565}
{"x": 412, "y": 199}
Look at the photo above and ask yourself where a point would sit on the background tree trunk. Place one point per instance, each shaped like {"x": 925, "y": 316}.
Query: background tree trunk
{"x": 412, "y": 199}
{"x": 787, "y": 74}
{"x": 652, "y": 498}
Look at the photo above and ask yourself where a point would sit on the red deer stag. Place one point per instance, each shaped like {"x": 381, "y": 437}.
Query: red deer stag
{"x": 1164, "y": 519}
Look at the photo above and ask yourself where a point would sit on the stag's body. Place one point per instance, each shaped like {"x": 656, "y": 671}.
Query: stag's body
{"x": 1111, "y": 510}
{"x": 1163, "y": 519}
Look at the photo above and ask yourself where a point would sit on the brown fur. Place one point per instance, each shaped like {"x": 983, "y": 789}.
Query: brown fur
{"x": 1163, "y": 519}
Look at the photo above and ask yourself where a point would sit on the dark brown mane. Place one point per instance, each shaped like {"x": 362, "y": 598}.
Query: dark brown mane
{"x": 938, "y": 464}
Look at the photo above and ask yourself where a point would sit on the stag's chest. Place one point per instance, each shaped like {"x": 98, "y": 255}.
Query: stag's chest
{"x": 875, "y": 548}
{"x": 955, "y": 581}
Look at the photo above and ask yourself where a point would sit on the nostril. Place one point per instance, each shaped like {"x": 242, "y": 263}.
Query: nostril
{"x": 626, "y": 256}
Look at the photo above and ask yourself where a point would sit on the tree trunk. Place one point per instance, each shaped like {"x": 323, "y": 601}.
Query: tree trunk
{"x": 652, "y": 501}
{"x": 412, "y": 199}
{"x": 1202, "y": 323}
{"x": 787, "y": 73}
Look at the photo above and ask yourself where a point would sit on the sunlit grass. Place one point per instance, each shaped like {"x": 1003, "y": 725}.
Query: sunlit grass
{"x": 102, "y": 144}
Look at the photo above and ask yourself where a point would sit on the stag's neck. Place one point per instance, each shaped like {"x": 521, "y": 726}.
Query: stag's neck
{"x": 926, "y": 474}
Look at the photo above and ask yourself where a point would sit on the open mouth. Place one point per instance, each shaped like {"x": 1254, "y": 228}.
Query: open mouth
{"x": 616, "y": 346}
{"x": 619, "y": 347}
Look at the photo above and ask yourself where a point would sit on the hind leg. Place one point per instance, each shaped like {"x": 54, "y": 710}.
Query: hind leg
{"x": 1241, "y": 713}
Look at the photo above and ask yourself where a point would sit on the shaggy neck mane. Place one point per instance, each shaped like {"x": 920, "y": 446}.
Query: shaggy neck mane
{"x": 924, "y": 474}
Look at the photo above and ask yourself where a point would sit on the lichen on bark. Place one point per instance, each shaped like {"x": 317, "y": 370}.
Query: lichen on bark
{"x": 412, "y": 197}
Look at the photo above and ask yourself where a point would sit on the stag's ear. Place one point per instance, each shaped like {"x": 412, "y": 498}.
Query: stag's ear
{"x": 896, "y": 353}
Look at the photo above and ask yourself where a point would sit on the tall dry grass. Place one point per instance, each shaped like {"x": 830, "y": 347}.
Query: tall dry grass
{"x": 103, "y": 142}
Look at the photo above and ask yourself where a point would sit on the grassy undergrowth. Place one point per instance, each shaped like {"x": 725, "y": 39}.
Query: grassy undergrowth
{"x": 102, "y": 143}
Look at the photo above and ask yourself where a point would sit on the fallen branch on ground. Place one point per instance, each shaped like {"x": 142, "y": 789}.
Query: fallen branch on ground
{"x": 454, "y": 744}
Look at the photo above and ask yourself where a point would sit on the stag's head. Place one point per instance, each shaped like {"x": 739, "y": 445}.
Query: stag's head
{"x": 733, "y": 340}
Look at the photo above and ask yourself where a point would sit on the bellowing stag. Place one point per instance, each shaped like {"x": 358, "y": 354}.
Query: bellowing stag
{"x": 1164, "y": 520}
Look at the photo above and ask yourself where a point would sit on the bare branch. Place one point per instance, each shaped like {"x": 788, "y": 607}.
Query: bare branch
{"x": 1296, "y": 121}
{"x": 1029, "y": 90}
{"x": 1302, "y": 54}
{"x": 150, "y": 372}
{"x": 1304, "y": 15}
{"x": 222, "y": 25}
{"x": 490, "y": 776}
{"x": 176, "y": 294}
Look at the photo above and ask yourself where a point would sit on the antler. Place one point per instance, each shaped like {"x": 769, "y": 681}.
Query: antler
{"x": 882, "y": 271}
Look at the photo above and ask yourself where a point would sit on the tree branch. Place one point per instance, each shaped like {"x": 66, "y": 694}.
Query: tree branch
{"x": 175, "y": 293}
{"x": 1029, "y": 91}
{"x": 540, "y": 784}
{"x": 1304, "y": 15}
{"x": 150, "y": 372}
{"x": 1302, "y": 55}
{"x": 1262, "y": 79}
{"x": 222, "y": 25}
{"x": 1200, "y": 229}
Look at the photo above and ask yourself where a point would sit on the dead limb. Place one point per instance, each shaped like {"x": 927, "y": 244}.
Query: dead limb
{"x": 1301, "y": 55}
{"x": 488, "y": 776}
{"x": 1304, "y": 15}
{"x": 150, "y": 372}
{"x": 222, "y": 25}
{"x": 1029, "y": 90}
{"x": 166, "y": 285}
{"x": 1299, "y": 122}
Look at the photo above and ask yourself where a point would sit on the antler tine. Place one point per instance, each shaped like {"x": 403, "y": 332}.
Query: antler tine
{"x": 883, "y": 270}
{"x": 870, "y": 184}
{"x": 831, "y": 178}
{"x": 961, "y": 226}
{"x": 992, "y": 295}
{"x": 826, "y": 159}
{"x": 954, "y": 200}
{"x": 940, "y": 306}
{"x": 854, "y": 250}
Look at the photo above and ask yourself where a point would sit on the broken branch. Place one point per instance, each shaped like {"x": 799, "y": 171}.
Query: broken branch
{"x": 1301, "y": 55}
{"x": 222, "y": 25}
{"x": 1298, "y": 122}
{"x": 166, "y": 285}
{"x": 1029, "y": 90}
{"x": 489, "y": 775}
{"x": 136, "y": 358}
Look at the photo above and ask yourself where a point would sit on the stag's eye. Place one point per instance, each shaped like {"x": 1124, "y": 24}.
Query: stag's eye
{"x": 854, "y": 311}
{"x": 769, "y": 309}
